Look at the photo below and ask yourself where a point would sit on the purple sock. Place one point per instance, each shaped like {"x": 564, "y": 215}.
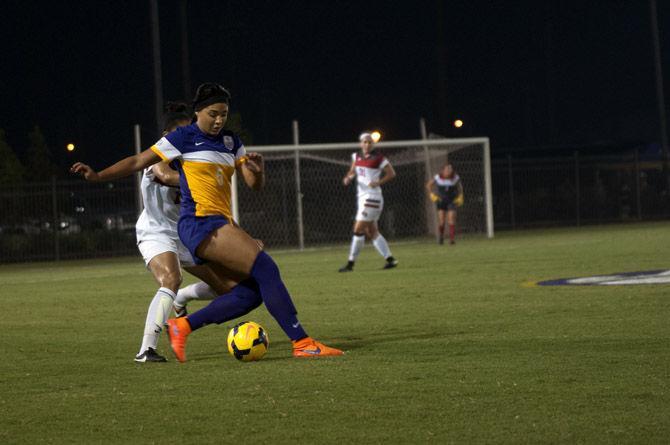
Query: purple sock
{"x": 241, "y": 300}
{"x": 276, "y": 296}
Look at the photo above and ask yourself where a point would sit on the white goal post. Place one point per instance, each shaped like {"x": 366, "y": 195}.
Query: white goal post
{"x": 304, "y": 202}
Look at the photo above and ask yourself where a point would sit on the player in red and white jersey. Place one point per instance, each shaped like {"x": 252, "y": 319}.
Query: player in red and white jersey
{"x": 372, "y": 170}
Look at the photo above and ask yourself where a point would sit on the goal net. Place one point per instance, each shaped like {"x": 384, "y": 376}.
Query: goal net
{"x": 305, "y": 204}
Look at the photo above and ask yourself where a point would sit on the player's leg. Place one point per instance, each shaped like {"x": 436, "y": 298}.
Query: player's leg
{"x": 358, "y": 238}
{"x": 240, "y": 300}
{"x": 212, "y": 284}
{"x": 357, "y": 243}
{"x": 195, "y": 291}
{"x": 234, "y": 249}
{"x": 374, "y": 212}
{"x": 441, "y": 217}
{"x": 451, "y": 221}
{"x": 381, "y": 245}
{"x": 164, "y": 265}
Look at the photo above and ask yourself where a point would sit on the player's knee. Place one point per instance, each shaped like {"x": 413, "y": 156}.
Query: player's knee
{"x": 249, "y": 292}
{"x": 253, "y": 304}
{"x": 171, "y": 279}
{"x": 265, "y": 267}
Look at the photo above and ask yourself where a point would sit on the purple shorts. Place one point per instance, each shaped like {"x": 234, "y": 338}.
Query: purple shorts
{"x": 194, "y": 229}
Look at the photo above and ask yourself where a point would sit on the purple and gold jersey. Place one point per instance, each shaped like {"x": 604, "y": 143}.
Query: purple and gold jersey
{"x": 205, "y": 164}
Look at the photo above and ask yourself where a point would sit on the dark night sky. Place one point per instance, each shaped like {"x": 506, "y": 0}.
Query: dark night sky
{"x": 525, "y": 73}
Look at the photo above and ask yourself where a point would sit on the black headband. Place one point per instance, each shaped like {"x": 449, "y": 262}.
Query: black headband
{"x": 211, "y": 100}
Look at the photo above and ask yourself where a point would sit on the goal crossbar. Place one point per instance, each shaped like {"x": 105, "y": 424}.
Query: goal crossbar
{"x": 381, "y": 145}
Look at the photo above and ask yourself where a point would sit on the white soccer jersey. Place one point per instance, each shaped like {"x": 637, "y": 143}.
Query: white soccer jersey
{"x": 369, "y": 169}
{"x": 161, "y": 209}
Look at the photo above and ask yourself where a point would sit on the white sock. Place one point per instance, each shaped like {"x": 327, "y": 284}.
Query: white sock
{"x": 196, "y": 291}
{"x": 157, "y": 315}
{"x": 382, "y": 246}
{"x": 356, "y": 246}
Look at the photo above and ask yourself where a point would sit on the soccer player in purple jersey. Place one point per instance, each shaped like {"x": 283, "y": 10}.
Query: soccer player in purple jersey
{"x": 163, "y": 252}
{"x": 206, "y": 157}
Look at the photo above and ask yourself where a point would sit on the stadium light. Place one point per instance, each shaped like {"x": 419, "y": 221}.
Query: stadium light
{"x": 70, "y": 147}
{"x": 376, "y": 136}
{"x": 458, "y": 123}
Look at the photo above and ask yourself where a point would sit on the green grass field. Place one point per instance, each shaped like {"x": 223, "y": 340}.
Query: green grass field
{"x": 450, "y": 347}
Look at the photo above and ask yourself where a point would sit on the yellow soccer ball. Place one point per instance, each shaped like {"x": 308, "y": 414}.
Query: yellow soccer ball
{"x": 248, "y": 341}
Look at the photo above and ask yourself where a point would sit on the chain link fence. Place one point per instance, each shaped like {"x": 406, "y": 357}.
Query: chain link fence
{"x": 67, "y": 220}
{"x": 576, "y": 190}
{"x": 74, "y": 219}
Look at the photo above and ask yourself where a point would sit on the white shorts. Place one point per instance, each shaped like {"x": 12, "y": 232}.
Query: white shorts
{"x": 158, "y": 244}
{"x": 370, "y": 208}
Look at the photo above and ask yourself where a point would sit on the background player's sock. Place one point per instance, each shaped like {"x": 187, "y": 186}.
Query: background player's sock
{"x": 157, "y": 315}
{"x": 452, "y": 232}
{"x": 196, "y": 291}
{"x": 357, "y": 243}
{"x": 382, "y": 246}
{"x": 276, "y": 296}
{"x": 241, "y": 300}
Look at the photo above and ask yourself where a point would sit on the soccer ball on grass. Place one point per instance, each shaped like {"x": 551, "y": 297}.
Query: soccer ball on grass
{"x": 247, "y": 341}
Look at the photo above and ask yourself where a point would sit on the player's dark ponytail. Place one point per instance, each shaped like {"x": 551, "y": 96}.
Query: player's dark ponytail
{"x": 175, "y": 112}
{"x": 208, "y": 94}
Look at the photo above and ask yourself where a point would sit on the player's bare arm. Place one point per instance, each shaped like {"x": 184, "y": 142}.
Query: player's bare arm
{"x": 351, "y": 174}
{"x": 253, "y": 170}
{"x": 389, "y": 175}
{"x": 121, "y": 169}
{"x": 429, "y": 188}
{"x": 429, "y": 185}
{"x": 166, "y": 174}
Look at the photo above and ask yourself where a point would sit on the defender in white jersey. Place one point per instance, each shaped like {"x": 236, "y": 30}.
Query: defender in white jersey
{"x": 372, "y": 170}
{"x": 156, "y": 228}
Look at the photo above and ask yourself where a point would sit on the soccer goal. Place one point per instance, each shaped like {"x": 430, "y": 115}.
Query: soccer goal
{"x": 304, "y": 203}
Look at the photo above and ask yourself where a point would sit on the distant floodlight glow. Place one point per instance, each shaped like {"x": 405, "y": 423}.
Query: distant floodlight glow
{"x": 376, "y": 136}
{"x": 458, "y": 123}
{"x": 70, "y": 147}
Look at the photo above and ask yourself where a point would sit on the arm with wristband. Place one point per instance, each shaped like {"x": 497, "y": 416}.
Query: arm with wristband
{"x": 429, "y": 188}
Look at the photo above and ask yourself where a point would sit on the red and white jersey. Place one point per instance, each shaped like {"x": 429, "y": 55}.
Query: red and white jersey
{"x": 368, "y": 169}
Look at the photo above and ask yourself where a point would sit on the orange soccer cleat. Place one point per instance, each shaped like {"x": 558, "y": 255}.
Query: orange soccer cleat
{"x": 308, "y": 347}
{"x": 178, "y": 330}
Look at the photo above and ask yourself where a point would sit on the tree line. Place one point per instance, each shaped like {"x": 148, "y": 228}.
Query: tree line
{"x": 36, "y": 166}
{"x": 39, "y": 164}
